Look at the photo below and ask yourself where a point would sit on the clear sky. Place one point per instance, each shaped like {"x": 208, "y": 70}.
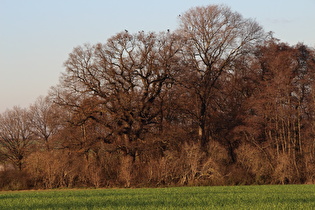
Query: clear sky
{"x": 36, "y": 36}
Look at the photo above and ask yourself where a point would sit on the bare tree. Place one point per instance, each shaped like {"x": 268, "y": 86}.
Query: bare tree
{"x": 119, "y": 84}
{"x": 45, "y": 118}
{"x": 215, "y": 37}
{"x": 16, "y": 137}
{"x": 279, "y": 113}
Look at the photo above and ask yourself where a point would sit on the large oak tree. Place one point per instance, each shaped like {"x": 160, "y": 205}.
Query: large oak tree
{"x": 119, "y": 85}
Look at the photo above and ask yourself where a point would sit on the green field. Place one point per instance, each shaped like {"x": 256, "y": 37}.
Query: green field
{"x": 235, "y": 197}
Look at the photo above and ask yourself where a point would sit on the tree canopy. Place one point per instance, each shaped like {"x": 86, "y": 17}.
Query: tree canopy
{"x": 217, "y": 101}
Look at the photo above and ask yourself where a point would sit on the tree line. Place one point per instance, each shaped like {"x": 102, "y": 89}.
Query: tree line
{"x": 216, "y": 102}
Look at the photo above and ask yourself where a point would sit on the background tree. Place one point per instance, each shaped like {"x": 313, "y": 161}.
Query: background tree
{"x": 45, "y": 120}
{"x": 16, "y": 137}
{"x": 278, "y": 111}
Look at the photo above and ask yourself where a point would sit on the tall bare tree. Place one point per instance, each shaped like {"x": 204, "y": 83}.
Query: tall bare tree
{"x": 215, "y": 38}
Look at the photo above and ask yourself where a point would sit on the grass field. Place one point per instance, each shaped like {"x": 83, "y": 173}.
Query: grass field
{"x": 235, "y": 197}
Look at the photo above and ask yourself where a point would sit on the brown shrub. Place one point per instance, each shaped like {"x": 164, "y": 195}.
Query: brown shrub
{"x": 14, "y": 180}
{"x": 53, "y": 169}
{"x": 253, "y": 166}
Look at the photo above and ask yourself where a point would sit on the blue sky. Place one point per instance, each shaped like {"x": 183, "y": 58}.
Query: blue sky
{"x": 36, "y": 36}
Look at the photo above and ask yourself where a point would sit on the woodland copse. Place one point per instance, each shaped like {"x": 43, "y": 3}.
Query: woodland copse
{"x": 218, "y": 101}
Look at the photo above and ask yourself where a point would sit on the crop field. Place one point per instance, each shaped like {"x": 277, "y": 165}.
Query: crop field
{"x": 235, "y": 197}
